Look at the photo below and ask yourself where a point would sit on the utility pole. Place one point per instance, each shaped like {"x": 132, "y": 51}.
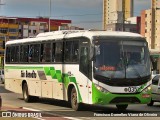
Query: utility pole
{"x": 153, "y": 9}
{"x": 123, "y": 13}
{"x": 49, "y": 15}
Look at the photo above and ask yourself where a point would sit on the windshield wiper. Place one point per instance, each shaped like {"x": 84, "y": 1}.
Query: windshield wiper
{"x": 97, "y": 76}
{"x": 121, "y": 63}
{"x": 137, "y": 73}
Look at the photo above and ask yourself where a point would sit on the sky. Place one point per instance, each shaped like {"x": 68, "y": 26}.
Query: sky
{"x": 83, "y": 13}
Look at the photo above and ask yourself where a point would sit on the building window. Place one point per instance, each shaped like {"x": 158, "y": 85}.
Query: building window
{"x": 12, "y": 37}
{"x": 34, "y": 31}
{"x": 145, "y": 30}
{"x": 11, "y": 30}
{"x": 3, "y": 30}
{"x": 145, "y": 15}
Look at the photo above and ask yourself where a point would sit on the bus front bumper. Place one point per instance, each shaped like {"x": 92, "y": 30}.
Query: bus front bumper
{"x": 102, "y": 98}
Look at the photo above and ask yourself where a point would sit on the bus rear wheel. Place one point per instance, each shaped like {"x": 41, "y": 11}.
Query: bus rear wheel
{"x": 74, "y": 104}
{"x": 121, "y": 107}
{"x": 26, "y": 96}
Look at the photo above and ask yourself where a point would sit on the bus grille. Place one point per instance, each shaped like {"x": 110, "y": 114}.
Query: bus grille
{"x": 125, "y": 100}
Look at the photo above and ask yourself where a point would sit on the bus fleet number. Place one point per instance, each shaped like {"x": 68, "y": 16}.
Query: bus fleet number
{"x": 130, "y": 89}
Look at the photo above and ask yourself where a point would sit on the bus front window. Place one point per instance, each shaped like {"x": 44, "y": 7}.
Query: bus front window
{"x": 123, "y": 60}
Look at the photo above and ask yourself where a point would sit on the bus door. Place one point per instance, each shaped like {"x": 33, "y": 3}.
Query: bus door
{"x": 85, "y": 70}
{"x": 57, "y": 58}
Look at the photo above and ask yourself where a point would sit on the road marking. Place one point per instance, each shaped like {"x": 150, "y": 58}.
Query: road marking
{"x": 31, "y": 109}
{"x": 72, "y": 118}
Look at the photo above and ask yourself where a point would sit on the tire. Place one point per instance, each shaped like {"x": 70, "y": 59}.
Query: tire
{"x": 26, "y": 96}
{"x": 74, "y": 104}
{"x": 151, "y": 103}
{"x": 122, "y": 107}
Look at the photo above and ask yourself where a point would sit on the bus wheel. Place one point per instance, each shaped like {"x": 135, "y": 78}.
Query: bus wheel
{"x": 151, "y": 103}
{"x": 74, "y": 104}
{"x": 26, "y": 96}
{"x": 121, "y": 107}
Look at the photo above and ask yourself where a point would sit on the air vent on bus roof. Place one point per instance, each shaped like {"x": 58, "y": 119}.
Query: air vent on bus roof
{"x": 58, "y": 33}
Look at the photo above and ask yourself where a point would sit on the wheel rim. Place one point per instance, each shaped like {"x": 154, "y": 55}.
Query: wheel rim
{"x": 74, "y": 98}
{"x": 25, "y": 93}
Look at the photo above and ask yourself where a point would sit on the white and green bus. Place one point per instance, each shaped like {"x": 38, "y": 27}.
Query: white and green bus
{"x": 82, "y": 67}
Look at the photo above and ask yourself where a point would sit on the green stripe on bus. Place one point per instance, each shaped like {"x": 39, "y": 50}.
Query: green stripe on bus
{"x": 22, "y": 67}
{"x": 55, "y": 74}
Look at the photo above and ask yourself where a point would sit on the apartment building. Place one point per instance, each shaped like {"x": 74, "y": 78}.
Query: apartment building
{"x": 116, "y": 11}
{"x": 150, "y": 25}
{"x": 18, "y": 28}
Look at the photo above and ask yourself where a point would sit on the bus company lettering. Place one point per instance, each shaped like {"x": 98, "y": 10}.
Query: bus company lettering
{"x": 28, "y": 74}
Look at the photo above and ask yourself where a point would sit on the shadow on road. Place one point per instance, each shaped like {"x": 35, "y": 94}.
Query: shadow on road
{"x": 3, "y": 90}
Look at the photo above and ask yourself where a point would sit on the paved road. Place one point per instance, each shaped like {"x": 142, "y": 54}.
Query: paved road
{"x": 61, "y": 108}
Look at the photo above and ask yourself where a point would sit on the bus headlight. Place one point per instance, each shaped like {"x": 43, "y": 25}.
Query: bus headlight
{"x": 101, "y": 88}
{"x": 145, "y": 93}
{"x": 147, "y": 89}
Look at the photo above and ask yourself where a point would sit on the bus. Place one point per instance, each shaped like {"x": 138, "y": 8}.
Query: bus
{"x": 81, "y": 67}
{"x": 155, "y": 60}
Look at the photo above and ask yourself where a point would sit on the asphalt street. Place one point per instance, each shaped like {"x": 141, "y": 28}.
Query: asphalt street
{"x": 62, "y": 108}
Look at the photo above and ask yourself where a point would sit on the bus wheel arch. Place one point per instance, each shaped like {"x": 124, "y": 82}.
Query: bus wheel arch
{"x": 25, "y": 92}
{"x": 72, "y": 97}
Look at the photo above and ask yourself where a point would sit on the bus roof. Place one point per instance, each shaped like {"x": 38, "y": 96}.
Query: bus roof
{"x": 56, "y": 35}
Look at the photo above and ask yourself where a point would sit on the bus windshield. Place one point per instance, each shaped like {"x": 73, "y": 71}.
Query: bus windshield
{"x": 121, "y": 60}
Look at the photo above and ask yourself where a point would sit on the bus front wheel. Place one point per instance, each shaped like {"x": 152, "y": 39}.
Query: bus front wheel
{"x": 74, "y": 104}
{"x": 151, "y": 103}
{"x": 121, "y": 107}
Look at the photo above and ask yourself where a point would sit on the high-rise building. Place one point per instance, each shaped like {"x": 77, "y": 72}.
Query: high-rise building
{"x": 150, "y": 25}
{"x": 116, "y": 11}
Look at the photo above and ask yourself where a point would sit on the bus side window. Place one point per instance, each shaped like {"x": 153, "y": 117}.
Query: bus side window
{"x": 13, "y": 54}
{"x": 75, "y": 54}
{"x": 68, "y": 51}
{"x": 8, "y": 54}
{"x": 45, "y": 52}
{"x": 24, "y": 53}
{"x": 35, "y": 53}
{"x": 17, "y": 54}
{"x": 59, "y": 52}
{"x": 53, "y": 51}
{"x": 84, "y": 61}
